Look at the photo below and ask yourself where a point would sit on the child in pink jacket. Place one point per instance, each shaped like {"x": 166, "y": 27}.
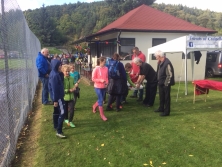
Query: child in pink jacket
{"x": 100, "y": 79}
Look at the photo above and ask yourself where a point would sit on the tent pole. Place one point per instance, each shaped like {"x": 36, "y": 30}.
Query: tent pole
{"x": 186, "y": 73}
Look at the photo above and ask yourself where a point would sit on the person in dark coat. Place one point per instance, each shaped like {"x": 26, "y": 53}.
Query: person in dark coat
{"x": 117, "y": 86}
{"x": 147, "y": 72}
{"x": 56, "y": 90}
{"x": 165, "y": 77}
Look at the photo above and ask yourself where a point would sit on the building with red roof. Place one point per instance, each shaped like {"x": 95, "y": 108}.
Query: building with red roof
{"x": 143, "y": 27}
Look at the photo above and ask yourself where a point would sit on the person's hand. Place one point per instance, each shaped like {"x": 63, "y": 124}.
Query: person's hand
{"x": 70, "y": 90}
{"x": 47, "y": 75}
{"x": 55, "y": 104}
{"x": 137, "y": 86}
{"x": 76, "y": 85}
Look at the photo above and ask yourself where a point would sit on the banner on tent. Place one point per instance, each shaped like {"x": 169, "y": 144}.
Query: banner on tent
{"x": 204, "y": 42}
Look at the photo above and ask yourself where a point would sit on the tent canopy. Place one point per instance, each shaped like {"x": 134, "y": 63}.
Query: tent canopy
{"x": 186, "y": 44}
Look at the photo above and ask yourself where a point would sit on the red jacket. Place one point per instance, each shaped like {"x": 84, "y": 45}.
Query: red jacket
{"x": 136, "y": 69}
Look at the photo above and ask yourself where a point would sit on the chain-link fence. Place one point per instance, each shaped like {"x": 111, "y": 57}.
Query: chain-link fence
{"x": 18, "y": 76}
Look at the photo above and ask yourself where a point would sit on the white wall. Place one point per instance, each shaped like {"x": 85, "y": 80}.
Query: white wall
{"x": 144, "y": 41}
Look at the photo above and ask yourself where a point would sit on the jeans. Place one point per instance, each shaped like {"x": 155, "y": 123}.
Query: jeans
{"x": 140, "y": 93}
{"x": 100, "y": 94}
{"x": 45, "y": 89}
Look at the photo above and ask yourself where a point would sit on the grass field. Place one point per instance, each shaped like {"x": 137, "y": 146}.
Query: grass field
{"x": 136, "y": 136}
{"x": 16, "y": 63}
{"x": 53, "y": 50}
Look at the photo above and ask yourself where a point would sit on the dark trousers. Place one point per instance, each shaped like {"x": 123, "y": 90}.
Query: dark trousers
{"x": 111, "y": 99}
{"x": 150, "y": 93}
{"x": 58, "y": 116}
{"x": 164, "y": 94}
{"x": 123, "y": 97}
{"x": 75, "y": 99}
{"x": 104, "y": 98}
{"x": 69, "y": 110}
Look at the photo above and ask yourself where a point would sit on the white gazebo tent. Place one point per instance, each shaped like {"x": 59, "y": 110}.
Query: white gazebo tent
{"x": 187, "y": 44}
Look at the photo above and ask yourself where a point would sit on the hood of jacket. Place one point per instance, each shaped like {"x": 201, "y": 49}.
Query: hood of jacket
{"x": 55, "y": 63}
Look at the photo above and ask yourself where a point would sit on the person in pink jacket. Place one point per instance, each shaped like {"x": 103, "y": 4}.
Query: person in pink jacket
{"x": 100, "y": 79}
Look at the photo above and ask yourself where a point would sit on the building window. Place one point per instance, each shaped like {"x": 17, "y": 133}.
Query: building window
{"x": 127, "y": 45}
{"x": 104, "y": 48}
{"x": 107, "y": 48}
{"x": 155, "y": 42}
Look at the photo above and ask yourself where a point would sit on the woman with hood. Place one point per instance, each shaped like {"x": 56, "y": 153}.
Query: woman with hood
{"x": 56, "y": 91}
{"x": 100, "y": 79}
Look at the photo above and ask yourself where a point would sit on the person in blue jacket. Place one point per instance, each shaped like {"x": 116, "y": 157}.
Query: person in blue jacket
{"x": 56, "y": 90}
{"x": 44, "y": 68}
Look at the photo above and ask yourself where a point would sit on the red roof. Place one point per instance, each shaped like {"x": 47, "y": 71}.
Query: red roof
{"x": 145, "y": 18}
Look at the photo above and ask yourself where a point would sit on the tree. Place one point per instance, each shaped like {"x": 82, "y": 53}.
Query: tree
{"x": 42, "y": 25}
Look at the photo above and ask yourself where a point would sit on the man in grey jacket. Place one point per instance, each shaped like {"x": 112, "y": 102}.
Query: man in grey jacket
{"x": 165, "y": 77}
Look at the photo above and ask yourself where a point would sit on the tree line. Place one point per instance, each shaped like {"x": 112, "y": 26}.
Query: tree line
{"x": 62, "y": 24}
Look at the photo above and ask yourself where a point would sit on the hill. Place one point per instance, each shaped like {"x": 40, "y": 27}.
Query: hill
{"x": 62, "y": 24}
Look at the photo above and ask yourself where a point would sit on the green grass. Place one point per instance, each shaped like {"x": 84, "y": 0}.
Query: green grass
{"x": 189, "y": 137}
{"x": 53, "y": 50}
{"x": 15, "y": 63}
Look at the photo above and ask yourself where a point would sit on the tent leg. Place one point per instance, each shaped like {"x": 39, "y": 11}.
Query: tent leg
{"x": 194, "y": 94}
{"x": 186, "y": 73}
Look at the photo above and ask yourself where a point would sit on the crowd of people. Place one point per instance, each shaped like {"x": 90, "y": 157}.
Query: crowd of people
{"x": 133, "y": 74}
{"x": 59, "y": 79}
{"x": 111, "y": 77}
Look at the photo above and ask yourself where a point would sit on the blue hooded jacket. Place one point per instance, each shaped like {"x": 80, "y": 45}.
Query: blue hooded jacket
{"x": 56, "y": 88}
{"x": 42, "y": 65}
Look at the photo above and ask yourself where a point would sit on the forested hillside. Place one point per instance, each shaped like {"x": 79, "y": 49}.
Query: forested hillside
{"x": 62, "y": 24}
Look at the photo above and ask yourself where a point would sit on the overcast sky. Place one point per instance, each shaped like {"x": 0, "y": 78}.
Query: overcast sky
{"x": 213, "y": 5}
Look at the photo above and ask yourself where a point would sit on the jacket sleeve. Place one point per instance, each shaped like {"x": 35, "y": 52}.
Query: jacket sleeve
{"x": 55, "y": 88}
{"x": 40, "y": 65}
{"x": 129, "y": 80}
{"x": 78, "y": 76}
{"x": 107, "y": 80}
{"x": 169, "y": 75}
{"x": 143, "y": 58}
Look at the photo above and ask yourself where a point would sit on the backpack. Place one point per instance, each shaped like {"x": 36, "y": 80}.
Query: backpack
{"x": 113, "y": 71}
